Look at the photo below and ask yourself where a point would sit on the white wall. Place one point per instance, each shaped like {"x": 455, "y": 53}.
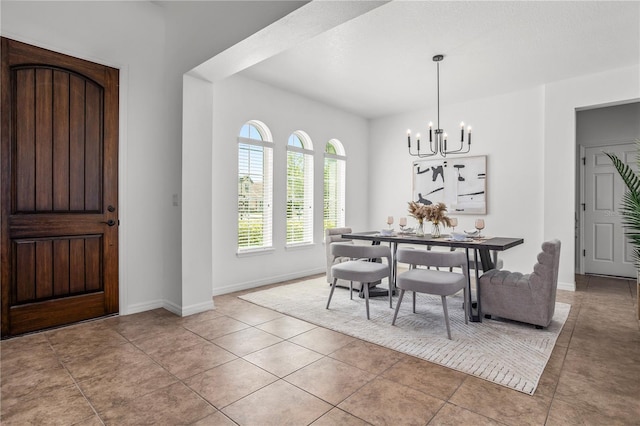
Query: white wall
{"x": 153, "y": 46}
{"x": 197, "y": 273}
{"x": 295, "y": 28}
{"x": 195, "y": 32}
{"x": 509, "y": 130}
{"x": 562, "y": 98}
{"x": 237, "y": 100}
{"x": 135, "y": 44}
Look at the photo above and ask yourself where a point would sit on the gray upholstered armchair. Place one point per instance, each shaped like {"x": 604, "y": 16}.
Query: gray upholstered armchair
{"x": 529, "y": 298}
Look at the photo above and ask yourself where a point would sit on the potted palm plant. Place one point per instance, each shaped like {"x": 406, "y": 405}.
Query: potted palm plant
{"x": 630, "y": 210}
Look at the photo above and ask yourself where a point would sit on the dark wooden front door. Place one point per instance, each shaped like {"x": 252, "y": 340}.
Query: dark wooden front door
{"x": 59, "y": 182}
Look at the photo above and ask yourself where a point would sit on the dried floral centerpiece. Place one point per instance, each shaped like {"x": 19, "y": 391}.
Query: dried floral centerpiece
{"x": 434, "y": 213}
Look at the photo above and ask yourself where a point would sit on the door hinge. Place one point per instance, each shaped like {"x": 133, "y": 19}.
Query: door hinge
{"x": 584, "y": 207}
{"x": 584, "y": 161}
{"x": 584, "y": 253}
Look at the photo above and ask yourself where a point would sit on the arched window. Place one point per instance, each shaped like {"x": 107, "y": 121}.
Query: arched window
{"x": 299, "y": 189}
{"x": 334, "y": 184}
{"x": 255, "y": 187}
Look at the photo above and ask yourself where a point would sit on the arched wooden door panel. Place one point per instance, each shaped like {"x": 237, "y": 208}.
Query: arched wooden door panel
{"x": 59, "y": 224}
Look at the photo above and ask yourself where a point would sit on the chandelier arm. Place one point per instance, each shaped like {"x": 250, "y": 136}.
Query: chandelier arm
{"x": 431, "y": 154}
{"x": 418, "y": 154}
{"x": 431, "y": 150}
{"x": 459, "y": 150}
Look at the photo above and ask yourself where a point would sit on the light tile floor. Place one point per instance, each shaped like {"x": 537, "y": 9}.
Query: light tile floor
{"x": 247, "y": 365}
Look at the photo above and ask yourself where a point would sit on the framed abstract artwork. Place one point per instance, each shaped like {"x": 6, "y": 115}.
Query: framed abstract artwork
{"x": 459, "y": 183}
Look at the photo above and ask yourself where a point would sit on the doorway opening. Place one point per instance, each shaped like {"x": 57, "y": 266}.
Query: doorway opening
{"x": 601, "y": 246}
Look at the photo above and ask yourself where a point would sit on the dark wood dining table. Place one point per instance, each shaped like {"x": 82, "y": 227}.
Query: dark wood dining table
{"x": 482, "y": 247}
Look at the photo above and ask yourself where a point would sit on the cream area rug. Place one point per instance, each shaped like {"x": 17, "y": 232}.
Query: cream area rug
{"x": 504, "y": 352}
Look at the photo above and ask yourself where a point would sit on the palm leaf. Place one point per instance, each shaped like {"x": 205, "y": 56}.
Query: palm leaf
{"x": 629, "y": 177}
{"x": 630, "y": 207}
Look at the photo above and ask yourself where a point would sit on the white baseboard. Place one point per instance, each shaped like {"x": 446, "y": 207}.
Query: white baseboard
{"x": 172, "y": 307}
{"x": 269, "y": 280}
{"x": 142, "y": 307}
{"x": 169, "y": 306}
{"x": 184, "y": 311}
{"x": 567, "y": 286}
{"x": 197, "y": 308}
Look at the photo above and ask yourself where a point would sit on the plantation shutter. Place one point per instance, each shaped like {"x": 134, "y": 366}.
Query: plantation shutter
{"x": 334, "y": 191}
{"x": 255, "y": 194}
{"x": 299, "y": 195}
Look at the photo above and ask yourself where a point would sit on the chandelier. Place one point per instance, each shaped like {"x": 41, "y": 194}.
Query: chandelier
{"x": 439, "y": 143}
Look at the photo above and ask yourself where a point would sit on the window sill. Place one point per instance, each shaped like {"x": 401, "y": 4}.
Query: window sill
{"x": 299, "y": 246}
{"x": 255, "y": 252}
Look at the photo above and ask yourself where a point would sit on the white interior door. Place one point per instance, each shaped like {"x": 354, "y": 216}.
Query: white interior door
{"x": 607, "y": 250}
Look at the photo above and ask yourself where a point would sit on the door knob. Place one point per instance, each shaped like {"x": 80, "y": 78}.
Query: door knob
{"x": 110, "y": 222}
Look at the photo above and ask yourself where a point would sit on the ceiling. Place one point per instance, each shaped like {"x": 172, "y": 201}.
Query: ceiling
{"x": 380, "y": 63}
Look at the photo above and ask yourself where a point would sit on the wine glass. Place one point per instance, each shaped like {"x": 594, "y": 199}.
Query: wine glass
{"x": 402, "y": 222}
{"x": 479, "y": 226}
{"x": 454, "y": 222}
{"x": 390, "y": 221}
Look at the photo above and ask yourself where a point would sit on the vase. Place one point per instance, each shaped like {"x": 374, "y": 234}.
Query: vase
{"x": 420, "y": 230}
{"x": 435, "y": 230}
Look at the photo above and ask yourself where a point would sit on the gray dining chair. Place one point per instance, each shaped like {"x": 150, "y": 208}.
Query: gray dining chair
{"x": 528, "y": 298}
{"x": 362, "y": 267}
{"x": 331, "y": 237}
{"x": 432, "y": 281}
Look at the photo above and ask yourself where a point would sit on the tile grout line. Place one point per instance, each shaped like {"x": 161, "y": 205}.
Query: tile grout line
{"x": 587, "y": 298}
{"x": 283, "y": 379}
{"x": 564, "y": 358}
{"x": 75, "y": 382}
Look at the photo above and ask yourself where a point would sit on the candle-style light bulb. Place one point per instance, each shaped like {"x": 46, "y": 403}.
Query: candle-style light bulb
{"x": 430, "y": 131}
{"x": 418, "y": 138}
{"x": 462, "y": 131}
{"x": 409, "y": 138}
{"x": 469, "y": 133}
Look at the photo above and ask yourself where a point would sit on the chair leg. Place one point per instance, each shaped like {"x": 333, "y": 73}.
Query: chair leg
{"x": 451, "y": 249}
{"x": 395, "y": 315}
{"x": 366, "y": 296}
{"x": 414, "y": 302}
{"x": 466, "y": 312}
{"x": 446, "y": 316}
{"x": 351, "y": 290}
{"x": 333, "y": 287}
